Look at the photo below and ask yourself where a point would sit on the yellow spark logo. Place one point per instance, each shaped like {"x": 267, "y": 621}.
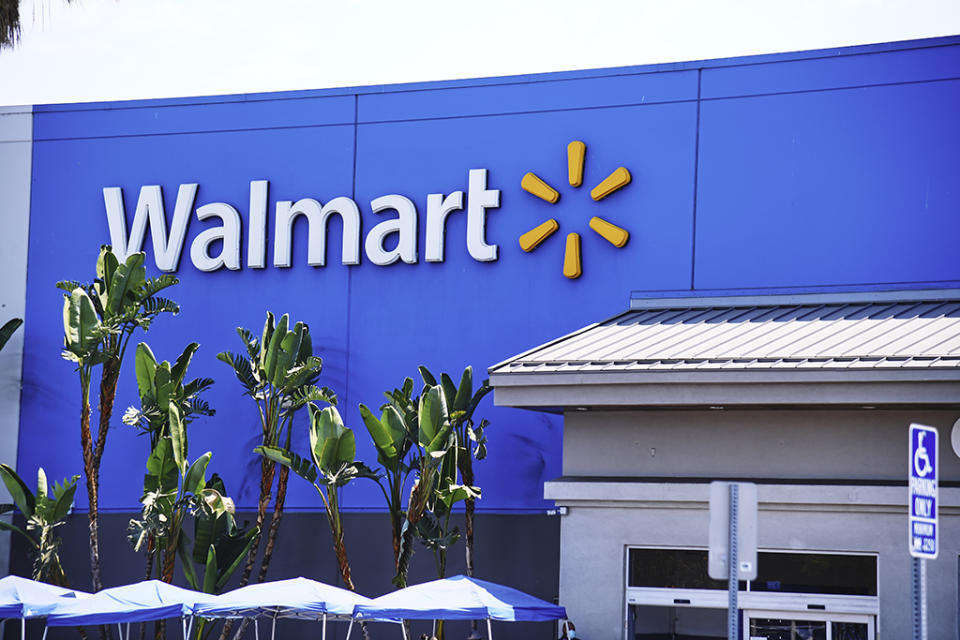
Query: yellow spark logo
{"x": 531, "y": 183}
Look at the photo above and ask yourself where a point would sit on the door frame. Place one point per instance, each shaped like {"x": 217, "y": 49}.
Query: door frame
{"x": 825, "y": 616}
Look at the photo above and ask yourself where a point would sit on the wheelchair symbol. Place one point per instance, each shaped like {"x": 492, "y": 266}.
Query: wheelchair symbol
{"x": 920, "y": 456}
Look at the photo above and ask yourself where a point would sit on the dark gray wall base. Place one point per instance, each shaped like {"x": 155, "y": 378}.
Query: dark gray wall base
{"x": 522, "y": 551}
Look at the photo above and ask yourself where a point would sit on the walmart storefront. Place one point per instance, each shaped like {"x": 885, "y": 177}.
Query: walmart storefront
{"x": 767, "y": 246}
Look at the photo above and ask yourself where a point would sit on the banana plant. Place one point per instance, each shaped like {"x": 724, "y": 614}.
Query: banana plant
{"x": 435, "y": 439}
{"x": 394, "y": 434}
{"x": 332, "y": 465}
{"x": 160, "y": 384}
{"x": 278, "y": 372}
{"x": 43, "y": 514}
{"x": 462, "y": 402}
{"x": 172, "y": 487}
{"x": 433, "y": 529}
{"x": 7, "y": 330}
{"x": 219, "y": 547}
{"x": 99, "y": 319}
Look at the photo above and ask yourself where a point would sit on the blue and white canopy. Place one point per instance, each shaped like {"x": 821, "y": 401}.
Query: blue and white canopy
{"x": 24, "y": 598}
{"x": 140, "y": 602}
{"x": 460, "y": 598}
{"x": 294, "y": 598}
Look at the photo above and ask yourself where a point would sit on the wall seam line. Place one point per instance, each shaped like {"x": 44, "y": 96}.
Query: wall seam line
{"x": 696, "y": 187}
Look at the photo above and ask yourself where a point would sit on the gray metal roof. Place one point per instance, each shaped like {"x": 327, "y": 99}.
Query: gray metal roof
{"x": 917, "y": 330}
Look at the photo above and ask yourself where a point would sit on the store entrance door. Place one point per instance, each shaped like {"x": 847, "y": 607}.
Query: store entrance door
{"x": 792, "y": 625}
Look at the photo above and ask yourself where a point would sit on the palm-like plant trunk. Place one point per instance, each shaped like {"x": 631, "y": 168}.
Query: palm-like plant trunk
{"x": 466, "y": 473}
{"x": 267, "y": 469}
{"x": 274, "y": 522}
{"x": 147, "y": 575}
{"x": 93, "y": 454}
{"x": 339, "y": 548}
{"x": 90, "y": 471}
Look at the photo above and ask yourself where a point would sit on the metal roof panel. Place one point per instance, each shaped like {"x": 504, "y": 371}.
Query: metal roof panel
{"x": 871, "y": 333}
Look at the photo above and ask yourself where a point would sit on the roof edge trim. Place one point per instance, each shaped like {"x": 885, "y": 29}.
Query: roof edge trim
{"x": 640, "y": 301}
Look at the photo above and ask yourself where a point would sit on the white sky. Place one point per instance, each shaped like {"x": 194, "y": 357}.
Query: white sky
{"x": 123, "y": 49}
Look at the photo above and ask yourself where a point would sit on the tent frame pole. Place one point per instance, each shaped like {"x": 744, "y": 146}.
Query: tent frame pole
{"x": 350, "y": 628}
{"x": 324, "y": 634}
{"x": 489, "y": 630}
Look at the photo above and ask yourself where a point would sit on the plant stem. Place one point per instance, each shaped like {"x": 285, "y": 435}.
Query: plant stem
{"x": 274, "y": 522}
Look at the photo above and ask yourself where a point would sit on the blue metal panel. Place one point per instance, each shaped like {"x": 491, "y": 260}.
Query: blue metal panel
{"x": 833, "y": 72}
{"x": 377, "y": 322}
{"x": 515, "y": 97}
{"x": 833, "y": 188}
{"x": 466, "y": 312}
{"x": 68, "y": 224}
{"x": 227, "y": 115}
{"x": 852, "y": 188}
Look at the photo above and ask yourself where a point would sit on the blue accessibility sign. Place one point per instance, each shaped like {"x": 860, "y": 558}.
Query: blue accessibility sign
{"x": 923, "y": 491}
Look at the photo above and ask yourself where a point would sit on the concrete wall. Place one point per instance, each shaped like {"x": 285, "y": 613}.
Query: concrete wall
{"x": 16, "y": 134}
{"x": 604, "y": 520}
{"x": 847, "y": 445}
{"x": 621, "y": 472}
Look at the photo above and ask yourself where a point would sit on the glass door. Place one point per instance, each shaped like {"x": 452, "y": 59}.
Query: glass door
{"x": 792, "y": 625}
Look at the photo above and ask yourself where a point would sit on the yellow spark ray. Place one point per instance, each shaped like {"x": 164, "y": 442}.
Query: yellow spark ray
{"x": 616, "y": 180}
{"x": 571, "y": 257}
{"x": 610, "y": 232}
{"x": 531, "y": 239}
{"x": 576, "y": 152}
{"x": 531, "y": 183}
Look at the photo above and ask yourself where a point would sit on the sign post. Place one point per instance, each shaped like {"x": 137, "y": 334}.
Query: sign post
{"x": 923, "y": 523}
{"x": 733, "y": 541}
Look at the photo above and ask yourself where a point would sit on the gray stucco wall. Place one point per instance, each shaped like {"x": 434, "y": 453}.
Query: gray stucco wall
{"x": 619, "y": 495}
{"x": 808, "y": 444}
{"x": 16, "y": 134}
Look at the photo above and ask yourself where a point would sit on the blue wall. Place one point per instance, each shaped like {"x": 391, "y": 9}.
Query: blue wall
{"x": 823, "y": 170}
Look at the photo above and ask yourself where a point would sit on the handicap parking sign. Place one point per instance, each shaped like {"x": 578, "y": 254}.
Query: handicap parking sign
{"x": 923, "y": 479}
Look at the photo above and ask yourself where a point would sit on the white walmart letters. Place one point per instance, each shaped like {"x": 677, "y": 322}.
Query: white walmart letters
{"x": 168, "y": 241}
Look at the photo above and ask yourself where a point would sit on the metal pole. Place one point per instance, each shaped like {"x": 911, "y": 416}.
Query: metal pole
{"x": 489, "y": 630}
{"x": 733, "y": 583}
{"x": 324, "y": 635}
{"x": 923, "y": 598}
{"x": 273, "y": 628}
{"x": 350, "y": 628}
{"x": 919, "y": 597}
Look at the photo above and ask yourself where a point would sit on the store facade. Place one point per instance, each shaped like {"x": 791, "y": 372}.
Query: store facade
{"x": 403, "y": 225}
{"x": 808, "y": 396}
